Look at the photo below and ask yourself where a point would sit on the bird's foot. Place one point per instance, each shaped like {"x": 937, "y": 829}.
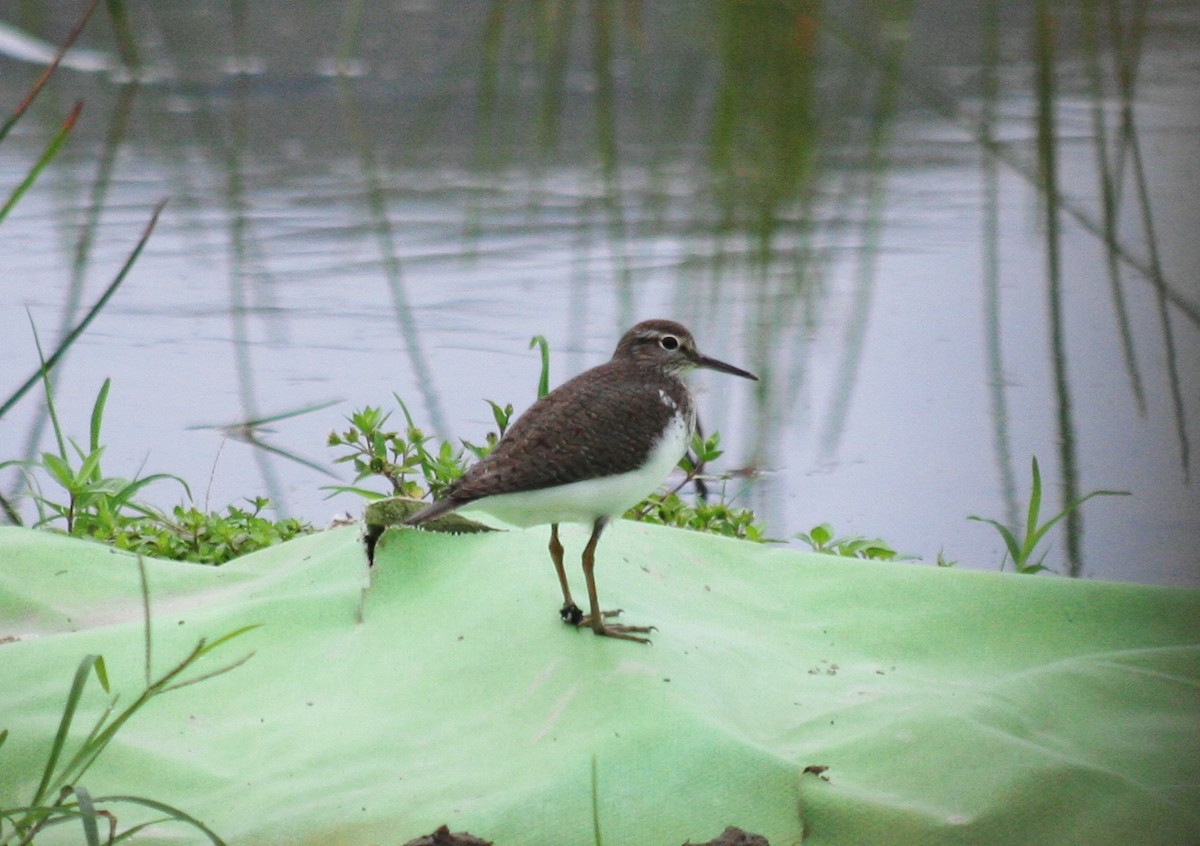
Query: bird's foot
{"x": 618, "y": 631}
{"x": 571, "y": 613}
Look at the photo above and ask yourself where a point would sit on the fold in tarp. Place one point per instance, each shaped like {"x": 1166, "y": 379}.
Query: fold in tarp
{"x": 949, "y": 706}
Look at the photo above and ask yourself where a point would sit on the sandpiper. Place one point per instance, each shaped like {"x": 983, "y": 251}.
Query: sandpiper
{"x": 589, "y": 450}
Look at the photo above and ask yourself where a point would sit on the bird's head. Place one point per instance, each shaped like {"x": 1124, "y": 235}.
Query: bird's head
{"x": 669, "y": 346}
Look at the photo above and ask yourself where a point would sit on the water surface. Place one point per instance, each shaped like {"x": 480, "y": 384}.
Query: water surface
{"x": 949, "y": 239}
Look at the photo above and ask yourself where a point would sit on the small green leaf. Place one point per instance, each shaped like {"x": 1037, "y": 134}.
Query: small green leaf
{"x": 1009, "y": 540}
{"x": 544, "y": 378}
{"x": 501, "y": 414}
{"x": 98, "y": 415}
{"x": 89, "y": 470}
{"x": 59, "y": 469}
{"x": 1035, "y": 506}
{"x": 101, "y": 672}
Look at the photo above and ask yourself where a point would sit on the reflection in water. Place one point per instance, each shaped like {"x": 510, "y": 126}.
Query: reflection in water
{"x": 82, "y": 249}
{"x": 389, "y": 255}
{"x": 1047, "y": 161}
{"x": 814, "y": 182}
{"x": 990, "y": 269}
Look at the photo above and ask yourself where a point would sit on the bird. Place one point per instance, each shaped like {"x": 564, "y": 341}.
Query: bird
{"x": 588, "y": 451}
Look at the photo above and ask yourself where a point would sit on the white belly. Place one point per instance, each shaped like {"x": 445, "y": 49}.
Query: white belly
{"x": 587, "y": 501}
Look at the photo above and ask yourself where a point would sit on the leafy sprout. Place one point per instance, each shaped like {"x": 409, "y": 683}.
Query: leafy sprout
{"x": 1021, "y": 541}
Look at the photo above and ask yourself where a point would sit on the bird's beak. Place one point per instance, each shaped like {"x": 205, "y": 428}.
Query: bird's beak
{"x": 712, "y": 364}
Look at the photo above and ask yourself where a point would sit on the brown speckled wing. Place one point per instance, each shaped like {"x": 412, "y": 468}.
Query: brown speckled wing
{"x": 602, "y": 422}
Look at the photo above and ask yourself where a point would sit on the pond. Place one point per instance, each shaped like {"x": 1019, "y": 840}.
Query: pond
{"x": 948, "y": 237}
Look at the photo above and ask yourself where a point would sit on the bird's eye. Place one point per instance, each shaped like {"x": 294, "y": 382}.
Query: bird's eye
{"x": 668, "y": 342}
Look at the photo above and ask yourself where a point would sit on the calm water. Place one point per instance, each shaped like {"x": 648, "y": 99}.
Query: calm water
{"x": 949, "y": 240}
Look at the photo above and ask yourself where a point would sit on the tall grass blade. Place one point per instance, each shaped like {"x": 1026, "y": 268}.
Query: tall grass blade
{"x": 10, "y": 511}
{"x": 70, "y": 338}
{"x": 1041, "y": 531}
{"x": 1031, "y": 521}
{"x": 220, "y": 671}
{"x": 44, "y": 373}
{"x": 123, "y": 495}
{"x": 37, "y": 86}
{"x": 599, "y": 841}
{"x": 291, "y": 456}
{"x": 228, "y": 636}
{"x": 87, "y": 815}
{"x": 89, "y": 664}
{"x": 273, "y": 418}
{"x": 171, "y": 811}
{"x": 144, "y": 584}
{"x": 1010, "y": 540}
{"x": 408, "y": 418}
{"x": 49, "y": 153}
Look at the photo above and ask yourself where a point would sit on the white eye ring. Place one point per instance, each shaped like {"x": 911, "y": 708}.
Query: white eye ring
{"x": 668, "y": 342}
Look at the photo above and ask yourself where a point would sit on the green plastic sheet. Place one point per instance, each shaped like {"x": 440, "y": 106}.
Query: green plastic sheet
{"x": 949, "y": 706}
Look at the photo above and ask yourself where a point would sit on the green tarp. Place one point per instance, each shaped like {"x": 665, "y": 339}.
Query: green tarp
{"x": 950, "y": 706}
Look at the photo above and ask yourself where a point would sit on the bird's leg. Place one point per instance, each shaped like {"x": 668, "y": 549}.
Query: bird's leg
{"x": 596, "y": 618}
{"x": 570, "y": 612}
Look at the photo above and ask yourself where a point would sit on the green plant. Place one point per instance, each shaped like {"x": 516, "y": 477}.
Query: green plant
{"x": 95, "y": 504}
{"x": 943, "y": 561}
{"x": 103, "y": 507}
{"x": 719, "y": 517}
{"x": 59, "y": 797}
{"x": 204, "y": 537}
{"x": 403, "y": 458}
{"x": 1020, "y": 542}
{"x": 823, "y": 539}
{"x": 543, "y": 346}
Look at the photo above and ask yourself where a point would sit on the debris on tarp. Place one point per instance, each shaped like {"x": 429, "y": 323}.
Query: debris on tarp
{"x": 734, "y": 836}
{"x": 445, "y": 837}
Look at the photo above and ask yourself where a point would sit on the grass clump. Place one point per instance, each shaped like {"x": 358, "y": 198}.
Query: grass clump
{"x": 205, "y": 537}
{"x": 404, "y": 457}
{"x": 91, "y": 504}
{"x": 1021, "y": 542}
{"x": 718, "y": 517}
{"x": 59, "y": 797}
